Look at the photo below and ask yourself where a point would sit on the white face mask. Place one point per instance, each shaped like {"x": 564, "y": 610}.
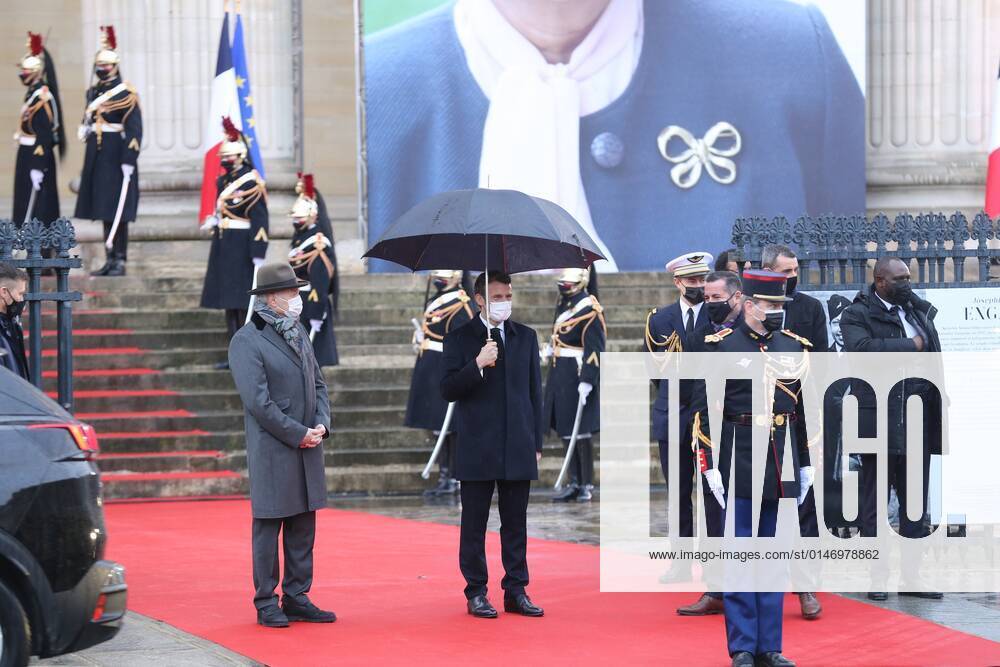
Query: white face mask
{"x": 294, "y": 306}
{"x": 500, "y": 310}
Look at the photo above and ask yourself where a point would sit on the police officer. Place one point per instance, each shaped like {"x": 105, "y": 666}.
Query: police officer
{"x": 579, "y": 335}
{"x": 38, "y": 135}
{"x": 314, "y": 259}
{"x": 669, "y": 330}
{"x": 112, "y": 130}
{"x": 446, "y": 309}
{"x": 754, "y": 620}
{"x": 239, "y": 232}
{"x": 805, "y": 316}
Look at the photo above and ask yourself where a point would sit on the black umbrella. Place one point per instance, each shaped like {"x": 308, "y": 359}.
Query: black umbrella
{"x": 482, "y": 229}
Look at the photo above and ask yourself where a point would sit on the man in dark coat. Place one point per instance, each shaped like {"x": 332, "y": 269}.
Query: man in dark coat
{"x": 287, "y": 414}
{"x": 13, "y": 284}
{"x": 446, "y": 309}
{"x": 492, "y": 372}
{"x": 889, "y": 317}
{"x": 314, "y": 259}
{"x": 805, "y": 316}
{"x": 579, "y": 334}
{"x": 39, "y": 135}
{"x": 112, "y": 131}
{"x": 754, "y": 620}
{"x": 239, "y": 232}
{"x": 671, "y": 330}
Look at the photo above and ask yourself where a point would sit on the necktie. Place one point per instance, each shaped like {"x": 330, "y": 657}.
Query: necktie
{"x": 912, "y": 319}
{"x": 495, "y": 334}
{"x": 689, "y": 326}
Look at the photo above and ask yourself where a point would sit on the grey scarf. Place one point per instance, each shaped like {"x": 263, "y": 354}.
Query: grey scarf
{"x": 286, "y": 325}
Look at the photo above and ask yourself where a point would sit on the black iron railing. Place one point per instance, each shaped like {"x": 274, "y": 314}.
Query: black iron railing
{"x": 836, "y": 250}
{"x": 37, "y": 240}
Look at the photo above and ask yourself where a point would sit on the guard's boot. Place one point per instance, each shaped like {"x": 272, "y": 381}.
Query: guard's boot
{"x": 569, "y": 493}
{"x": 442, "y": 484}
{"x": 585, "y": 458}
{"x": 108, "y": 261}
{"x": 117, "y": 268}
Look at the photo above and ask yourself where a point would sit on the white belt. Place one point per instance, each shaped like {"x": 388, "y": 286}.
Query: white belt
{"x": 25, "y": 140}
{"x": 111, "y": 127}
{"x": 567, "y": 352}
{"x": 435, "y": 345}
{"x": 232, "y": 223}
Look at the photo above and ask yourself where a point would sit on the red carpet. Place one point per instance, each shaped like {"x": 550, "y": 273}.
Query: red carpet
{"x": 397, "y": 591}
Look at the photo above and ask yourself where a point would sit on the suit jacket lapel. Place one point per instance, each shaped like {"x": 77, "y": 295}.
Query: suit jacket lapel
{"x": 273, "y": 337}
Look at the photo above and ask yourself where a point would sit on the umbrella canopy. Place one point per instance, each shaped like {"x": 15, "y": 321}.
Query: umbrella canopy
{"x": 476, "y": 230}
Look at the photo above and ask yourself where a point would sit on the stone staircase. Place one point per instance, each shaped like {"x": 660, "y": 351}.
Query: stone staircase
{"x": 171, "y": 426}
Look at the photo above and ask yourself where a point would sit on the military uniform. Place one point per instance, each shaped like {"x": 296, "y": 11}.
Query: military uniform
{"x": 579, "y": 336}
{"x": 448, "y": 308}
{"x": 754, "y": 620}
{"x": 39, "y": 135}
{"x": 314, "y": 259}
{"x": 112, "y": 132}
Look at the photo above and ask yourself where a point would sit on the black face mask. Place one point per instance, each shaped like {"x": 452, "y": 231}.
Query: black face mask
{"x": 718, "y": 311}
{"x": 790, "y": 285}
{"x": 104, "y": 74}
{"x": 25, "y": 78}
{"x": 566, "y": 290}
{"x": 15, "y": 309}
{"x": 774, "y": 320}
{"x": 440, "y": 284}
{"x": 694, "y": 295}
{"x": 228, "y": 167}
{"x": 900, "y": 294}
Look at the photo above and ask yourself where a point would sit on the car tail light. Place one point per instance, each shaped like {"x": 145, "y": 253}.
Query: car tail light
{"x": 102, "y": 601}
{"x": 83, "y": 435}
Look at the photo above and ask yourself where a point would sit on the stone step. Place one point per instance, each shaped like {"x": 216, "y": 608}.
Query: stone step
{"x": 178, "y": 419}
{"x": 207, "y": 483}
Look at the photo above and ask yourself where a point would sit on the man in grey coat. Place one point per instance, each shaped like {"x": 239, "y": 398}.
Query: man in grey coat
{"x": 287, "y": 416}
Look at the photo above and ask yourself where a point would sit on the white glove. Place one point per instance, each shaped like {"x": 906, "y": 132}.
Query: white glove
{"x": 315, "y": 325}
{"x": 807, "y": 475}
{"x": 418, "y": 336}
{"x": 545, "y": 352}
{"x": 584, "y": 388}
{"x": 714, "y": 479}
{"x": 82, "y": 132}
{"x": 259, "y": 261}
{"x": 210, "y": 221}
{"x": 128, "y": 170}
{"x": 36, "y": 179}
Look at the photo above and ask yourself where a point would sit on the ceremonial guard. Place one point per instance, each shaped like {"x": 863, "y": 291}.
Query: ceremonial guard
{"x": 579, "y": 334}
{"x": 446, "y": 309}
{"x": 754, "y": 619}
{"x": 670, "y": 330}
{"x": 239, "y": 232}
{"x": 39, "y": 134}
{"x": 314, "y": 260}
{"x": 112, "y": 130}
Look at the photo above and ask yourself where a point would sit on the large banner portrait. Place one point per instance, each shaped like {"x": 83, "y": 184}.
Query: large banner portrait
{"x": 656, "y": 123}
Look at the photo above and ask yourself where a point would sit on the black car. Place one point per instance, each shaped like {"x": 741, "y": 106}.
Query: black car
{"x": 57, "y": 593}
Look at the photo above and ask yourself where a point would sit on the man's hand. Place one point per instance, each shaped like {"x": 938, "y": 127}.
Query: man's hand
{"x": 584, "y": 388}
{"x": 488, "y": 355}
{"x": 210, "y": 221}
{"x": 315, "y": 325}
{"x": 259, "y": 262}
{"x": 538, "y": 457}
{"x": 37, "y": 176}
{"x": 313, "y": 437}
{"x": 128, "y": 170}
{"x": 918, "y": 340}
{"x": 714, "y": 479}
{"x": 546, "y": 352}
{"x": 807, "y": 474}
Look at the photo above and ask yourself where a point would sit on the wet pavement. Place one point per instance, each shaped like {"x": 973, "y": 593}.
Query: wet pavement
{"x": 147, "y": 641}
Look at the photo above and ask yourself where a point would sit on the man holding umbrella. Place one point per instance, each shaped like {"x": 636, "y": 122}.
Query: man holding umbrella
{"x": 492, "y": 372}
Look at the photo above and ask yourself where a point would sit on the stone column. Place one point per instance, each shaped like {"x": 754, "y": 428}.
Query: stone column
{"x": 932, "y": 67}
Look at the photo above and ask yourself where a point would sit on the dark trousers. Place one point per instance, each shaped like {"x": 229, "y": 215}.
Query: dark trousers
{"x": 512, "y": 499}
{"x": 868, "y": 512}
{"x": 686, "y": 474}
{"x": 298, "y": 533}
{"x": 235, "y": 317}
{"x": 119, "y": 247}
{"x": 581, "y": 466}
{"x": 753, "y": 620}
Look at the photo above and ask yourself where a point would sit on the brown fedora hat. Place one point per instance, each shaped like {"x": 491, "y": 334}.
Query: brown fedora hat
{"x": 275, "y": 277}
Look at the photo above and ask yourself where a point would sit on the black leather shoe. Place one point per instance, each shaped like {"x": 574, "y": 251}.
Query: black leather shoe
{"x": 306, "y": 611}
{"x": 926, "y": 595}
{"x": 480, "y": 607}
{"x": 522, "y": 604}
{"x": 743, "y": 659}
{"x": 586, "y": 494}
{"x": 773, "y": 659}
{"x": 103, "y": 271}
{"x": 569, "y": 492}
{"x": 272, "y": 617}
{"x": 878, "y": 596}
{"x": 116, "y": 269}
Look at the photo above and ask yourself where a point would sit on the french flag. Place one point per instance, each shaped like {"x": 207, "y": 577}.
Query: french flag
{"x": 224, "y": 102}
{"x": 993, "y": 170}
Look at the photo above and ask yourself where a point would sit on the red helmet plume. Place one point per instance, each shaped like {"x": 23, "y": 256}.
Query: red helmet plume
{"x": 310, "y": 188}
{"x": 232, "y": 134}
{"x": 34, "y": 43}
{"x": 109, "y": 36}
